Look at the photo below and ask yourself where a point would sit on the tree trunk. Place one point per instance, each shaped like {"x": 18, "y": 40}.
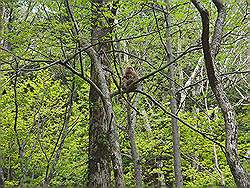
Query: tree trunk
{"x": 131, "y": 119}
{"x": 99, "y": 156}
{"x": 173, "y": 105}
{"x": 231, "y": 127}
{"x": 103, "y": 137}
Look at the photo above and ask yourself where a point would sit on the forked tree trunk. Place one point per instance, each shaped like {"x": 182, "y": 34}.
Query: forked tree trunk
{"x": 231, "y": 126}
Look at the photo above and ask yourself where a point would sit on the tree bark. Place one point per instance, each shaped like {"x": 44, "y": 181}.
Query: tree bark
{"x": 231, "y": 126}
{"x": 173, "y": 105}
{"x": 99, "y": 156}
{"x": 103, "y": 137}
{"x": 131, "y": 119}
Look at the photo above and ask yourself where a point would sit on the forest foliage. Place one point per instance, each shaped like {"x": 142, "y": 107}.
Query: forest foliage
{"x": 44, "y": 105}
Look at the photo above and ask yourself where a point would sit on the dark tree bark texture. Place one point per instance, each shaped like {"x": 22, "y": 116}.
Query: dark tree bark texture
{"x": 103, "y": 137}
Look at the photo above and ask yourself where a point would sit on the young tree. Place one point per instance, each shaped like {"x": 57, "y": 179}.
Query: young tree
{"x": 173, "y": 102}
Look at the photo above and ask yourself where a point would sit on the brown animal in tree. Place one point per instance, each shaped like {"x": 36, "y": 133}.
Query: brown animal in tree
{"x": 129, "y": 77}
